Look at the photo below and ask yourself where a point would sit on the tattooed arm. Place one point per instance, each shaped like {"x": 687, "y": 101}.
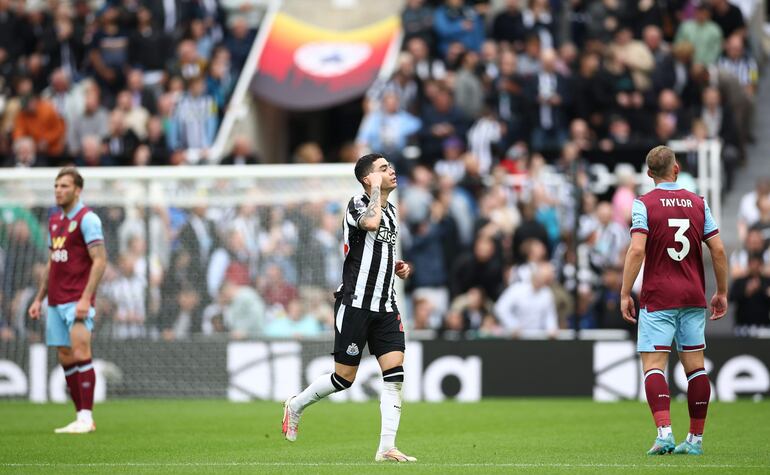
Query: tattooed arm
{"x": 370, "y": 221}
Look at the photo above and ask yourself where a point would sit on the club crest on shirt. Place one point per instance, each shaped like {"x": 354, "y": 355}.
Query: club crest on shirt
{"x": 352, "y": 349}
{"x": 73, "y": 226}
{"x": 54, "y": 227}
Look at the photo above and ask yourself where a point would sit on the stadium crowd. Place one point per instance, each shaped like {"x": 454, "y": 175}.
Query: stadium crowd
{"x": 483, "y": 110}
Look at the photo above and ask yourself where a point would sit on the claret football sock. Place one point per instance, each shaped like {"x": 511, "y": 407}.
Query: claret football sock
{"x": 87, "y": 383}
{"x": 698, "y": 395}
{"x": 72, "y": 376}
{"x": 658, "y": 397}
{"x": 319, "y": 389}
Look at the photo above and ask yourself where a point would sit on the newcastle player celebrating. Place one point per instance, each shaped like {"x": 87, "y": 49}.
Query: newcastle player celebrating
{"x": 365, "y": 310}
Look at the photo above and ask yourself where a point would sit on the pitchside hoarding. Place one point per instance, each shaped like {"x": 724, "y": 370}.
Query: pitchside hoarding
{"x": 436, "y": 370}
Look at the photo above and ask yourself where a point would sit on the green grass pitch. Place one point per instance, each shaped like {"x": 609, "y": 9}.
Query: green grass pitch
{"x": 494, "y": 436}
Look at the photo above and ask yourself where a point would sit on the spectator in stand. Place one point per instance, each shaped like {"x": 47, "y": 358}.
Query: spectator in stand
{"x": 482, "y": 267}
{"x": 608, "y": 241}
{"x": 121, "y": 141}
{"x": 17, "y": 266}
{"x": 703, "y": 34}
{"x": 635, "y": 55}
{"x": 92, "y": 153}
{"x": 308, "y": 152}
{"x": 141, "y": 96}
{"x": 189, "y": 64}
{"x": 195, "y": 118}
{"x": 198, "y": 239}
{"x": 619, "y": 94}
{"x": 295, "y": 323}
{"x": 417, "y": 22}
{"x": 135, "y": 117}
{"x": 244, "y": 311}
{"x": 426, "y": 68}
{"x": 763, "y": 223}
{"x": 440, "y": 121}
{"x": 92, "y": 121}
{"x": 736, "y": 62}
{"x": 748, "y": 211}
{"x": 126, "y": 292}
{"x": 625, "y": 193}
{"x": 538, "y": 20}
{"x": 109, "y": 53}
{"x": 507, "y": 99}
{"x": 274, "y": 288}
{"x": 528, "y": 307}
{"x": 508, "y": 26}
{"x": 606, "y": 306}
{"x": 157, "y": 143}
{"x": 751, "y": 294}
{"x": 550, "y": 96}
{"x": 220, "y": 79}
{"x": 425, "y": 250}
{"x": 25, "y": 155}
{"x": 232, "y": 263}
{"x": 604, "y": 17}
{"x": 456, "y": 22}
{"x": 68, "y": 101}
{"x": 729, "y": 18}
{"x": 471, "y": 309}
{"x": 670, "y": 105}
{"x": 149, "y": 47}
{"x": 241, "y": 154}
{"x": 754, "y": 244}
{"x": 238, "y": 42}
{"x": 720, "y": 124}
{"x": 528, "y": 61}
{"x": 387, "y": 130}
{"x": 468, "y": 90}
{"x": 39, "y": 120}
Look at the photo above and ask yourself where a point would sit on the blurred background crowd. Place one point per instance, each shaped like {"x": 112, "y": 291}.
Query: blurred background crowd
{"x": 492, "y": 119}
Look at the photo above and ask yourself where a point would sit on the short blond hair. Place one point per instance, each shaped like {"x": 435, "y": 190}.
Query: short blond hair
{"x": 660, "y": 160}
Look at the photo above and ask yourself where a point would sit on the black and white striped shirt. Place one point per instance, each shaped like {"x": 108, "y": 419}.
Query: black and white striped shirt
{"x": 370, "y": 259}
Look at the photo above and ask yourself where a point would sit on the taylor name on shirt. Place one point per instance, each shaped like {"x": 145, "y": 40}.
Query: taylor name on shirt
{"x": 669, "y": 202}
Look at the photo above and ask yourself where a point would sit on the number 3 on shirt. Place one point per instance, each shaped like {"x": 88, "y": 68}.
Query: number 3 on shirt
{"x": 682, "y": 226}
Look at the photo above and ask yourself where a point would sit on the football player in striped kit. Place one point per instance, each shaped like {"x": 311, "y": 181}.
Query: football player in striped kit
{"x": 365, "y": 308}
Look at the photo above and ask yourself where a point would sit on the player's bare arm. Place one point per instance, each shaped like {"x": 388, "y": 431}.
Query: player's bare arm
{"x": 373, "y": 214}
{"x": 42, "y": 291}
{"x": 99, "y": 263}
{"x": 719, "y": 260}
{"x": 631, "y": 267}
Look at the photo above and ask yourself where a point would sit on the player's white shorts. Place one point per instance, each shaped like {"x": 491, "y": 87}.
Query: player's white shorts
{"x": 686, "y": 326}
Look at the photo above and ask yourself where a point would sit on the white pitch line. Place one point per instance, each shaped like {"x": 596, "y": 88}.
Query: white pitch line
{"x": 351, "y": 464}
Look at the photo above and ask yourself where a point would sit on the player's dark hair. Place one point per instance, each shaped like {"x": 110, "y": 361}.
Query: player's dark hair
{"x": 660, "y": 160}
{"x": 74, "y": 173}
{"x": 365, "y": 164}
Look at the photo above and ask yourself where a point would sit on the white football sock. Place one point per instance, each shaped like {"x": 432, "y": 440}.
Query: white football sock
{"x": 664, "y": 431}
{"x": 390, "y": 408}
{"x": 694, "y": 439}
{"x": 85, "y": 415}
{"x": 318, "y": 389}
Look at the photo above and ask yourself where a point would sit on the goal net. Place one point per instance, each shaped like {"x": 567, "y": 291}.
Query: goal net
{"x": 198, "y": 257}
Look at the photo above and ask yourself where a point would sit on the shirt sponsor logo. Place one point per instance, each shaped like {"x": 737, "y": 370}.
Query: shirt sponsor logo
{"x": 387, "y": 236}
{"x": 58, "y": 242}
